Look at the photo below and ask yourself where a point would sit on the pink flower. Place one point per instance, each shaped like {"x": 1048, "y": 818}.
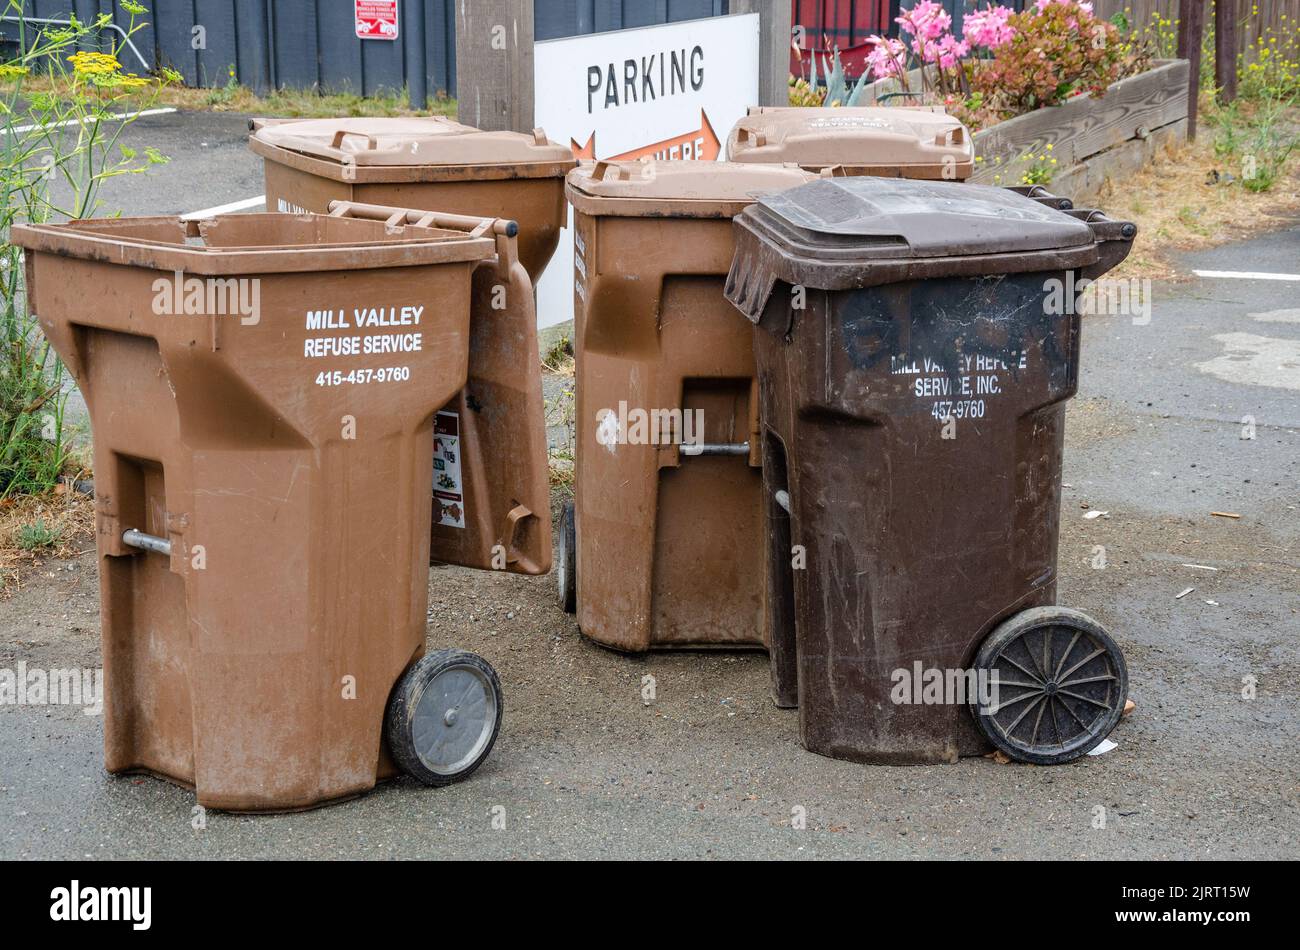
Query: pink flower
{"x": 951, "y": 50}
{"x": 988, "y": 28}
{"x": 886, "y": 56}
{"x": 926, "y": 21}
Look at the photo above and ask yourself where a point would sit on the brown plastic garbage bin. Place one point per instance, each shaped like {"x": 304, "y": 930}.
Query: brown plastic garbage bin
{"x": 262, "y": 392}
{"x": 891, "y": 142}
{"x": 912, "y": 412}
{"x": 425, "y": 162}
{"x": 491, "y": 484}
{"x": 669, "y": 537}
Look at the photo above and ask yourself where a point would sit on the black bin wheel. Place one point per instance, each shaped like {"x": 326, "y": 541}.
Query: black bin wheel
{"x": 566, "y": 564}
{"x": 1060, "y": 688}
{"x": 443, "y": 716}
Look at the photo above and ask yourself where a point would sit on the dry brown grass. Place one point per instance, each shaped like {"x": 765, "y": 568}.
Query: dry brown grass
{"x": 306, "y": 103}
{"x": 65, "y": 517}
{"x": 1179, "y": 205}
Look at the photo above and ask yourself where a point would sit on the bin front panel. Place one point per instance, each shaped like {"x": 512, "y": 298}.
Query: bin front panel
{"x": 670, "y": 550}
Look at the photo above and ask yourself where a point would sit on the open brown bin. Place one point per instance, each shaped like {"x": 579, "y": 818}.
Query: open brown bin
{"x": 424, "y": 162}
{"x": 262, "y": 393}
{"x": 914, "y": 367}
{"x": 669, "y": 548}
{"x": 886, "y": 141}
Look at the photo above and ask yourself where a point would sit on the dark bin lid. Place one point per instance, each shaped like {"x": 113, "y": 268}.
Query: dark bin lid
{"x": 857, "y": 232}
{"x": 898, "y": 217}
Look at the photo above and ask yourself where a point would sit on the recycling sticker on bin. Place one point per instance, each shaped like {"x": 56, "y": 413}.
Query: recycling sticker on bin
{"x": 448, "y": 492}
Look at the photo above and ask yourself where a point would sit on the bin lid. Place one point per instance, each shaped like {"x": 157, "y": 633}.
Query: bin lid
{"x": 865, "y": 216}
{"x": 856, "y": 232}
{"x": 676, "y": 189}
{"x": 408, "y": 148}
{"x": 877, "y": 140}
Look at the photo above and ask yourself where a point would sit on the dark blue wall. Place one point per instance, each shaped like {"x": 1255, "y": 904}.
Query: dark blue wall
{"x": 311, "y": 43}
{"x": 298, "y": 44}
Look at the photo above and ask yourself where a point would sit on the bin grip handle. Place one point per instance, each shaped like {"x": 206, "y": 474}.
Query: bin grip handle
{"x": 341, "y": 134}
{"x": 475, "y": 226}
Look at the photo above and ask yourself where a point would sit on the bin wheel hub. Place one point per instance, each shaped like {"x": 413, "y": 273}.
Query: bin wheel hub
{"x": 454, "y": 719}
{"x": 443, "y": 716}
{"x": 1056, "y": 685}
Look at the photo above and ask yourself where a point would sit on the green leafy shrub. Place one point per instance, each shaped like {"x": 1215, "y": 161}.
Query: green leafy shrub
{"x": 61, "y": 94}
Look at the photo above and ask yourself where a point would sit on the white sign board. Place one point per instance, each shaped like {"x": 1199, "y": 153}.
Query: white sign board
{"x": 671, "y": 92}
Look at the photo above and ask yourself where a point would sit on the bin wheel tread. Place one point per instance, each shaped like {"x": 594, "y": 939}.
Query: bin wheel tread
{"x": 1058, "y": 683}
{"x": 566, "y": 564}
{"x": 443, "y": 716}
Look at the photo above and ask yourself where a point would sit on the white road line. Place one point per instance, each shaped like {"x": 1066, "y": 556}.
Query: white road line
{"x": 1245, "y": 275}
{"x": 225, "y": 209}
{"x": 117, "y": 115}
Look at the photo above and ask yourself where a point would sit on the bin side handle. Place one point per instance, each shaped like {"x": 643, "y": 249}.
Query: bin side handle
{"x": 517, "y": 514}
{"x": 474, "y": 226}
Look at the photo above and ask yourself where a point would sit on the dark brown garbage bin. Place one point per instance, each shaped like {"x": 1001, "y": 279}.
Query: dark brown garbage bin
{"x": 668, "y": 547}
{"x": 425, "y": 162}
{"x": 892, "y": 142}
{"x": 916, "y": 343}
{"x": 263, "y": 391}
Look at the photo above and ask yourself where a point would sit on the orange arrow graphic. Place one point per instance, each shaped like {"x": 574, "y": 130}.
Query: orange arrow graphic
{"x": 700, "y": 144}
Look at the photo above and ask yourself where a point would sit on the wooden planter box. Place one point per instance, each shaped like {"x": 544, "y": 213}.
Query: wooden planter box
{"x": 1092, "y": 139}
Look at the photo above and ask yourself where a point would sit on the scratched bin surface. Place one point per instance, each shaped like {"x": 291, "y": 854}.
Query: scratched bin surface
{"x": 916, "y": 343}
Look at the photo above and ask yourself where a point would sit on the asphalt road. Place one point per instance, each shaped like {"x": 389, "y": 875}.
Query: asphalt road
{"x": 711, "y": 769}
{"x": 210, "y": 165}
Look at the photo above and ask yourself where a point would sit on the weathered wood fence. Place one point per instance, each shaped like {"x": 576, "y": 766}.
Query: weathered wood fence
{"x": 1255, "y": 18}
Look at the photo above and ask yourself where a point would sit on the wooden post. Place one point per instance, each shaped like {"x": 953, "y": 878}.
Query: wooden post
{"x": 774, "y": 27}
{"x": 1191, "y": 27}
{"x": 1225, "y": 49}
{"x": 494, "y": 64}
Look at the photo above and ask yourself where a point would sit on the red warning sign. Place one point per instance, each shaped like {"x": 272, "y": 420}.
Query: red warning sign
{"x": 376, "y": 19}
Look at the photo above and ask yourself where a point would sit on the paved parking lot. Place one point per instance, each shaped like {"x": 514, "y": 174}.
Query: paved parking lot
{"x": 711, "y": 769}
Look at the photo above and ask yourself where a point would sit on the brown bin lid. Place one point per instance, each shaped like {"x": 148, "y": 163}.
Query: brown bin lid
{"x": 914, "y": 143}
{"x": 407, "y": 148}
{"x": 677, "y": 189}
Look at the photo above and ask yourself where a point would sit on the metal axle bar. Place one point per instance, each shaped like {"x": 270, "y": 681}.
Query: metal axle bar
{"x": 146, "y": 542}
